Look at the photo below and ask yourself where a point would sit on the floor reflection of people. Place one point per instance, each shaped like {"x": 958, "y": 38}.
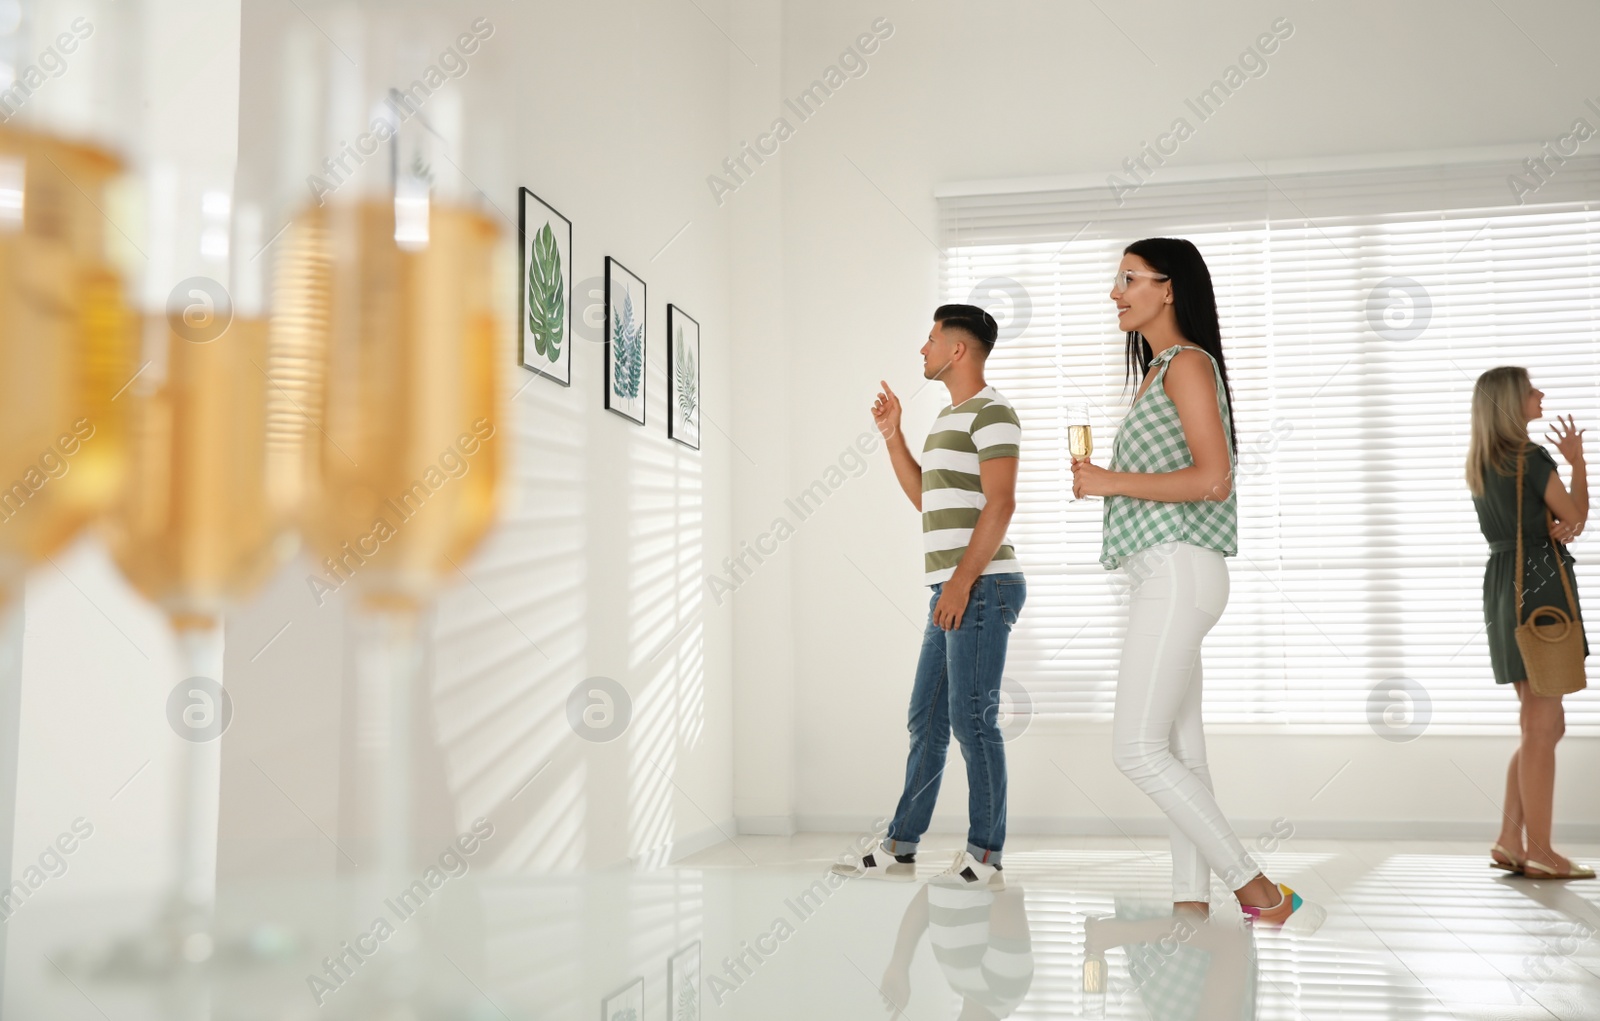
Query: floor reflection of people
{"x": 980, "y": 939}
{"x": 1183, "y": 967}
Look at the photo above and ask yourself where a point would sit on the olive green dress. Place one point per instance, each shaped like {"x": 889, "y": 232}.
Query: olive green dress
{"x": 1541, "y": 585}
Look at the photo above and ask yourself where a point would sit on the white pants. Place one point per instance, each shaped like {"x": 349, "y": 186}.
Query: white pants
{"x": 1157, "y": 738}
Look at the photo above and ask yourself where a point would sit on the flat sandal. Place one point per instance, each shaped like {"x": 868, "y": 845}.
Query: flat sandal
{"x": 1516, "y": 868}
{"x": 1534, "y": 870}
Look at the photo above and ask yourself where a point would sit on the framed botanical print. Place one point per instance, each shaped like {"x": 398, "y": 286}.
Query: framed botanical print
{"x": 683, "y": 367}
{"x": 683, "y": 984}
{"x": 544, "y": 292}
{"x": 625, "y": 342}
{"x": 626, "y": 1004}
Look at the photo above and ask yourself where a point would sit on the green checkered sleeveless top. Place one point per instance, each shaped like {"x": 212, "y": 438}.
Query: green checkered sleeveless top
{"x": 1151, "y": 440}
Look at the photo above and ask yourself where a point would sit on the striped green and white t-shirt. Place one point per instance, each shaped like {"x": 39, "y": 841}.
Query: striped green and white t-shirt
{"x": 992, "y": 971}
{"x": 984, "y": 426}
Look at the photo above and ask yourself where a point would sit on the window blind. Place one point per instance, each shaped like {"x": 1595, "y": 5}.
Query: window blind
{"x": 1357, "y": 310}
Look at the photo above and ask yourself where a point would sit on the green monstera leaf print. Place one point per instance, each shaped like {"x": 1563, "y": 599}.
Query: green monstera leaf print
{"x": 546, "y": 295}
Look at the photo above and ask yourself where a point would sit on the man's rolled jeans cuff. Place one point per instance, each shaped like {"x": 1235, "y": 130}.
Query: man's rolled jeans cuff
{"x": 898, "y": 847}
{"x": 984, "y": 855}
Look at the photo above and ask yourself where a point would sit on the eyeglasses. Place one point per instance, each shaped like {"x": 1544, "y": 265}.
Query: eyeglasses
{"x": 1124, "y": 279}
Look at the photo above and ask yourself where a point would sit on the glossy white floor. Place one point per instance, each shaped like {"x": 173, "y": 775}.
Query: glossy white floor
{"x": 1415, "y": 930}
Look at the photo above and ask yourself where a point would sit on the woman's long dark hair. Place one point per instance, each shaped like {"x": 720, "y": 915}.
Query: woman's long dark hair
{"x": 1194, "y": 305}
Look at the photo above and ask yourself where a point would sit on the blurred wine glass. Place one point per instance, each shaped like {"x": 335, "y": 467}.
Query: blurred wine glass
{"x": 199, "y": 526}
{"x": 209, "y": 501}
{"x": 66, "y": 332}
{"x": 406, "y": 464}
{"x": 65, "y": 339}
{"x": 372, "y": 130}
{"x": 393, "y": 257}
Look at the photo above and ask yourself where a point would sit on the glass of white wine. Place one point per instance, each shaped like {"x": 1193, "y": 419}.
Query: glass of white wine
{"x": 394, "y": 267}
{"x": 66, "y": 340}
{"x": 390, "y": 267}
{"x": 197, "y": 524}
{"x": 87, "y": 256}
{"x": 1080, "y": 435}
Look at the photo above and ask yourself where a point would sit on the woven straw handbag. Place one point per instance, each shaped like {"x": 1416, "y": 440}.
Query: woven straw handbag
{"x": 1552, "y": 652}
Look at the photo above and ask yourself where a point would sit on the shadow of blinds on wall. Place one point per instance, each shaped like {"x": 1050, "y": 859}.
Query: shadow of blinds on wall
{"x": 1357, "y": 310}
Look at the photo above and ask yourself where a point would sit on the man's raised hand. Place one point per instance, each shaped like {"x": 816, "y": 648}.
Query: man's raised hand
{"x": 886, "y": 412}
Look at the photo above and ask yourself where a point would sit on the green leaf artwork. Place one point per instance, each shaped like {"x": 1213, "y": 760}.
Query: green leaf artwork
{"x": 687, "y": 1007}
{"x": 625, "y": 1014}
{"x": 546, "y": 295}
{"x": 688, "y": 378}
{"x": 627, "y": 351}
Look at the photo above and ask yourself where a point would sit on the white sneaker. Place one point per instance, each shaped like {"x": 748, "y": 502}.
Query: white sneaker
{"x": 878, "y": 864}
{"x": 967, "y": 871}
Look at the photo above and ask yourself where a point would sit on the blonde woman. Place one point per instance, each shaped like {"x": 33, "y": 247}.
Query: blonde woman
{"x": 1503, "y": 403}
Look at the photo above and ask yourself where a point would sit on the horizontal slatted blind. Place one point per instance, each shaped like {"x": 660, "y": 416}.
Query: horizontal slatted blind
{"x": 1357, "y": 309}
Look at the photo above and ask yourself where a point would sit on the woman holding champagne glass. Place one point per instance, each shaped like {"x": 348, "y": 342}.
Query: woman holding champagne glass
{"x": 1171, "y": 516}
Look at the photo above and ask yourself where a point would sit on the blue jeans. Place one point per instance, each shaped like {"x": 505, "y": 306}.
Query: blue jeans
{"x": 958, "y": 688}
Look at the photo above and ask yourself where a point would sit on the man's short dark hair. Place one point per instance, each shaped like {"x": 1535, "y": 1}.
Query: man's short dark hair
{"x": 971, "y": 320}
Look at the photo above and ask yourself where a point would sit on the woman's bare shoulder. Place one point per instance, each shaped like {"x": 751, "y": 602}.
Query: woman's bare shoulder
{"x": 1192, "y": 373}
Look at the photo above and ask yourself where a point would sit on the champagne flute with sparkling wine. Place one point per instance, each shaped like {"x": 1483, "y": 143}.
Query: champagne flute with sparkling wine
{"x": 66, "y": 334}
{"x": 1080, "y": 434}
{"x": 199, "y": 526}
{"x": 200, "y": 519}
{"x": 395, "y": 267}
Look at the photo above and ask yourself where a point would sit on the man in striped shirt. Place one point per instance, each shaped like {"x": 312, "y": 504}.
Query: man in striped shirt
{"x": 982, "y": 943}
{"x": 965, "y": 488}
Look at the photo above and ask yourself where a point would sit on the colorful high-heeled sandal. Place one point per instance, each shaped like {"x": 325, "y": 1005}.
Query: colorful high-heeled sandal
{"x": 1292, "y": 913}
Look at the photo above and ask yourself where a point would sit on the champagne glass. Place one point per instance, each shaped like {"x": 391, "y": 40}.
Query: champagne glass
{"x": 406, "y": 471}
{"x": 65, "y": 331}
{"x": 1080, "y": 434}
{"x": 65, "y": 349}
{"x": 376, "y": 133}
{"x": 391, "y": 259}
{"x": 397, "y": 267}
{"x": 197, "y": 528}
{"x": 196, "y": 522}
{"x": 65, "y": 341}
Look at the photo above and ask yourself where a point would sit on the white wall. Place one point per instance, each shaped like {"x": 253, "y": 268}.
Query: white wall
{"x": 764, "y": 414}
{"x": 597, "y": 559}
{"x": 967, "y": 91}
